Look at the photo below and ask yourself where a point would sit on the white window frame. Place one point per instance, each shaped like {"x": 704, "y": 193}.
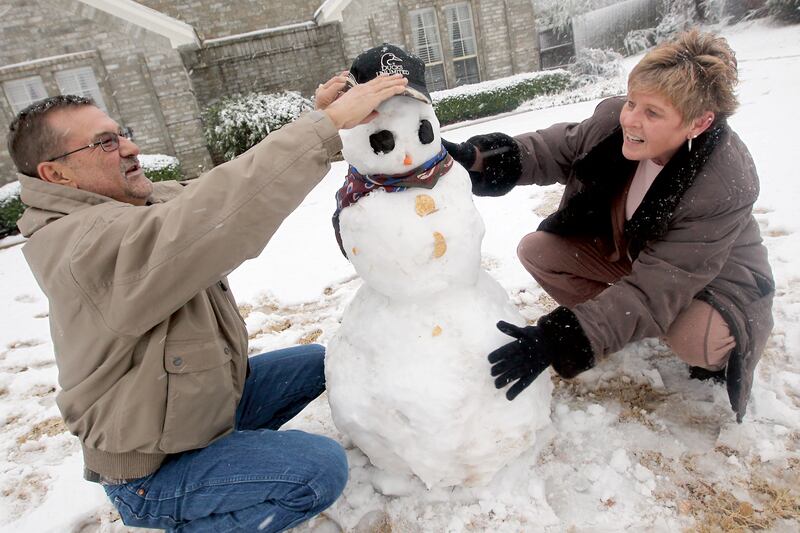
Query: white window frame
{"x": 23, "y": 92}
{"x": 463, "y": 14}
{"x": 431, "y": 46}
{"x": 80, "y": 81}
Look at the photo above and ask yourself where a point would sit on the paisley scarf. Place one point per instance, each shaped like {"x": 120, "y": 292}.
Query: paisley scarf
{"x": 357, "y": 185}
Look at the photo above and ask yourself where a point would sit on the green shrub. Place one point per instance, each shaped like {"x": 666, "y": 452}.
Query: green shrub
{"x": 492, "y": 97}
{"x": 11, "y": 208}
{"x": 237, "y": 123}
{"x": 161, "y": 167}
{"x": 784, "y": 10}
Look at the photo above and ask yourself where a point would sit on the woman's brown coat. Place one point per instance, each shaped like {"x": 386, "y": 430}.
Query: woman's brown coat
{"x": 693, "y": 236}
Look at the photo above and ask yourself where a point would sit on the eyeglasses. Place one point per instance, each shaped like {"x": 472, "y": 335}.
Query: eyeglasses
{"x": 108, "y": 141}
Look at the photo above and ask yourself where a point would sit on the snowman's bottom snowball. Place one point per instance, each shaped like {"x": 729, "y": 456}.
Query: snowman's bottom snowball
{"x": 425, "y": 403}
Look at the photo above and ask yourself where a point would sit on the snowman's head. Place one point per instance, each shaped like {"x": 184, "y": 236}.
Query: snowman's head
{"x": 403, "y": 136}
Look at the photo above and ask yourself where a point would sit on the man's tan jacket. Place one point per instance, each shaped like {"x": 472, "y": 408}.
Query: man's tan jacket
{"x": 150, "y": 347}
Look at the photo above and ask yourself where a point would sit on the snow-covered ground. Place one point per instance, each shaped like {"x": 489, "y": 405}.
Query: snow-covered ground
{"x": 634, "y": 444}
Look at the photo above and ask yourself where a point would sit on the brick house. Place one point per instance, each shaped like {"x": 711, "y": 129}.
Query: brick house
{"x": 154, "y": 65}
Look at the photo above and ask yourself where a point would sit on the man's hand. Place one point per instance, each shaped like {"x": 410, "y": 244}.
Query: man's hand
{"x": 558, "y": 339}
{"x": 329, "y": 91}
{"x": 521, "y": 360}
{"x": 357, "y": 106}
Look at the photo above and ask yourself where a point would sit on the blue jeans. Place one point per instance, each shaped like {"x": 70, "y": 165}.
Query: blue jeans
{"x": 256, "y": 478}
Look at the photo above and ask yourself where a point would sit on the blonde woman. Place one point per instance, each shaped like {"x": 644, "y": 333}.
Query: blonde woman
{"x": 654, "y": 236}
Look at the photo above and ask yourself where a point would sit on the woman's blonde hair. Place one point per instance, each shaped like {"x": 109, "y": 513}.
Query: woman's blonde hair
{"x": 696, "y": 72}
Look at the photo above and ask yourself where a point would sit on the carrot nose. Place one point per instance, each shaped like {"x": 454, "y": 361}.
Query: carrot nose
{"x": 407, "y": 161}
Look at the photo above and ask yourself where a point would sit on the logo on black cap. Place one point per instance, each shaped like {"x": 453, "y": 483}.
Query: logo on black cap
{"x": 391, "y": 64}
{"x": 388, "y": 59}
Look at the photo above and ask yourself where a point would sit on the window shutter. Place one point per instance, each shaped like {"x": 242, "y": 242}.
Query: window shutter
{"x": 23, "y": 92}
{"x": 82, "y": 82}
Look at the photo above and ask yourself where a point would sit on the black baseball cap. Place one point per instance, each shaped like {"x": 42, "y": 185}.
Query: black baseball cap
{"x": 389, "y": 59}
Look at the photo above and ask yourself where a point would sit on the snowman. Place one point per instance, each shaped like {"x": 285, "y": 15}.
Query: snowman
{"x": 407, "y": 372}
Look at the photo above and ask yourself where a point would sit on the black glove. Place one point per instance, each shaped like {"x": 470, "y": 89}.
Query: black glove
{"x": 558, "y": 339}
{"x": 464, "y": 153}
{"x": 502, "y": 162}
{"x": 521, "y": 360}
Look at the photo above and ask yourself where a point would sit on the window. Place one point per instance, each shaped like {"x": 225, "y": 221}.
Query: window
{"x": 23, "y": 92}
{"x": 462, "y": 37}
{"x": 428, "y": 47}
{"x": 80, "y": 81}
{"x": 556, "y": 47}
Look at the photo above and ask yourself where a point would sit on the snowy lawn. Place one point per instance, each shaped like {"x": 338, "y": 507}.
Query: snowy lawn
{"x": 634, "y": 443}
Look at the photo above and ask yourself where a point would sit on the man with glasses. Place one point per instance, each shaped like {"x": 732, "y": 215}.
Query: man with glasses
{"x": 175, "y": 422}
{"x": 107, "y": 141}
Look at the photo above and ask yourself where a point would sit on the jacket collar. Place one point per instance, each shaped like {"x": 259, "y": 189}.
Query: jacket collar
{"x": 604, "y": 172}
{"x": 48, "y": 202}
{"x": 651, "y": 219}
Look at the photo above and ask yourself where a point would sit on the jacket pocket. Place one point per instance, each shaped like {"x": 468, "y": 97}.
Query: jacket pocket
{"x": 201, "y": 400}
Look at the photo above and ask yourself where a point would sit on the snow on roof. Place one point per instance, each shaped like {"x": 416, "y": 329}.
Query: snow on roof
{"x": 178, "y": 32}
{"x": 296, "y": 26}
{"x": 330, "y": 11}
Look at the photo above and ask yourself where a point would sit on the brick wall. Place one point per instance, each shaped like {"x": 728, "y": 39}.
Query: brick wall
{"x": 292, "y": 59}
{"x": 221, "y": 18}
{"x": 494, "y": 38}
{"x": 523, "y": 35}
{"x": 368, "y": 23}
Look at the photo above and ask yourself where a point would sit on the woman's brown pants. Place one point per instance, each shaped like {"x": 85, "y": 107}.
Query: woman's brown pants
{"x": 574, "y": 270}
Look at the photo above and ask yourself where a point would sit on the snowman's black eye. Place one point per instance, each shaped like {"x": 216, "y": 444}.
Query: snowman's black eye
{"x": 382, "y": 142}
{"x": 425, "y": 132}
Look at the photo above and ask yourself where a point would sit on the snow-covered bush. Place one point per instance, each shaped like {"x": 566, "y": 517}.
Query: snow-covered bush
{"x": 592, "y": 65}
{"x": 679, "y": 16}
{"x": 784, "y": 10}
{"x": 159, "y": 167}
{"x": 237, "y": 123}
{"x": 496, "y": 96}
{"x": 637, "y": 41}
{"x": 11, "y": 208}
